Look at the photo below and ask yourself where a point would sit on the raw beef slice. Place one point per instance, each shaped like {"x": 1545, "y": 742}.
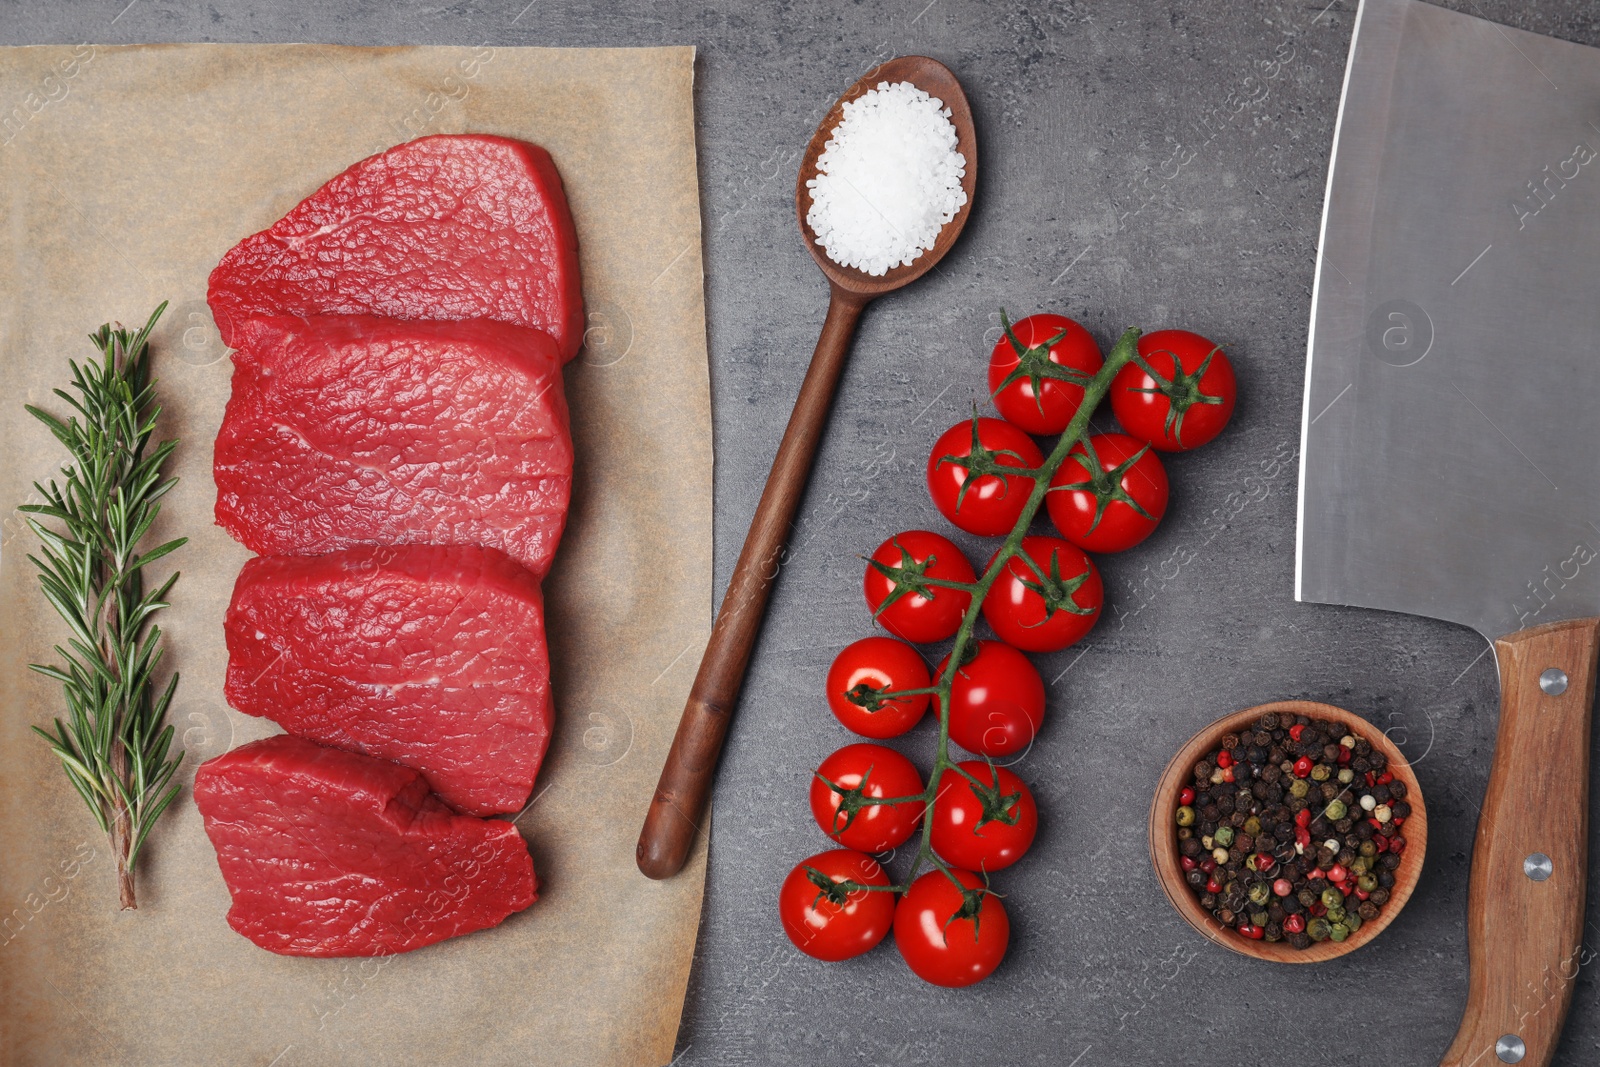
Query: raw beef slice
{"x": 430, "y": 655}
{"x": 456, "y": 226}
{"x": 346, "y": 430}
{"x": 331, "y": 853}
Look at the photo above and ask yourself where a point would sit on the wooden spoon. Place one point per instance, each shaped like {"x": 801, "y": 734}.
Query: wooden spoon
{"x": 680, "y": 799}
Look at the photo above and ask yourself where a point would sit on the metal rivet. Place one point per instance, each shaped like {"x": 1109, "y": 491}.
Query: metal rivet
{"x": 1538, "y": 867}
{"x": 1510, "y": 1049}
{"x": 1554, "y": 683}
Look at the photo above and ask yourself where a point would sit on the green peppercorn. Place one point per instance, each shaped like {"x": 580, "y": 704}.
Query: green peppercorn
{"x": 1186, "y": 816}
{"x": 1336, "y": 914}
{"x": 1252, "y": 826}
{"x": 1260, "y": 893}
{"x": 1339, "y": 931}
{"x": 1260, "y": 917}
{"x": 1332, "y": 897}
{"x": 1319, "y": 929}
{"x": 1346, "y": 775}
{"x": 1353, "y": 920}
{"x": 1368, "y": 848}
{"x": 1368, "y": 882}
{"x": 1223, "y": 836}
{"x": 1336, "y": 810}
{"x": 1321, "y": 772}
{"x": 1362, "y": 865}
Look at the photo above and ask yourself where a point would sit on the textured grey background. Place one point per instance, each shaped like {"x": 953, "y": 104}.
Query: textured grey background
{"x": 1085, "y": 113}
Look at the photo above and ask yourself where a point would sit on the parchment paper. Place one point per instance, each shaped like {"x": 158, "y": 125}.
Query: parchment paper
{"x": 125, "y": 173}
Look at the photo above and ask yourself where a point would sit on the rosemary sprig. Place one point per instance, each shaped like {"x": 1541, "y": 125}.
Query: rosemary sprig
{"x": 113, "y": 744}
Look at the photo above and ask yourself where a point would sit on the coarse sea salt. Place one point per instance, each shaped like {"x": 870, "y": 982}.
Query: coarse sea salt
{"x": 888, "y": 179}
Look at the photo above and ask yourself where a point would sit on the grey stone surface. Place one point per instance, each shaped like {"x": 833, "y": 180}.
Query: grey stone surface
{"x": 1084, "y": 114}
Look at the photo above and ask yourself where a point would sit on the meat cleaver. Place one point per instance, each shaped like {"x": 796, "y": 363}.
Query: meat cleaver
{"x": 1450, "y": 461}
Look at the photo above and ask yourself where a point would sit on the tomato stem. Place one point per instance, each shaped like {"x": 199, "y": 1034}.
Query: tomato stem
{"x": 1125, "y": 350}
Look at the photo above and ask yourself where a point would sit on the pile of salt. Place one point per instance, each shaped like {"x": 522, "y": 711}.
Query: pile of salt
{"x": 888, "y": 180}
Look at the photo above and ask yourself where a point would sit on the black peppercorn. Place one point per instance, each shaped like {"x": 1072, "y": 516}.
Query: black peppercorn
{"x": 1360, "y": 764}
{"x": 1273, "y": 931}
{"x": 1389, "y": 860}
{"x": 1190, "y": 847}
{"x": 1196, "y": 877}
{"x": 1400, "y": 809}
{"x": 1256, "y": 754}
{"x": 1291, "y": 905}
{"x": 1300, "y": 940}
{"x": 1202, "y": 770}
{"x": 1346, "y": 858}
{"x": 1263, "y": 738}
{"x": 1397, "y": 789}
{"x": 1230, "y": 741}
{"x": 1368, "y": 910}
{"x": 1386, "y": 879}
{"x": 1269, "y": 721}
{"x": 1379, "y": 761}
{"x": 1379, "y": 896}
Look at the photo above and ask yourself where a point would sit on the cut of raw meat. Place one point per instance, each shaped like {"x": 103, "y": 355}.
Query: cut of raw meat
{"x": 331, "y": 853}
{"x": 457, "y": 226}
{"x": 346, "y": 430}
{"x": 427, "y": 654}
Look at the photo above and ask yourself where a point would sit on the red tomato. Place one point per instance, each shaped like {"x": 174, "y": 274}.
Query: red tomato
{"x": 863, "y": 672}
{"x": 903, "y": 600}
{"x": 1123, "y": 494}
{"x": 983, "y": 829}
{"x": 827, "y": 922}
{"x": 1038, "y": 370}
{"x": 951, "y": 935}
{"x": 1050, "y": 604}
{"x": 961, "y": 478}
{"x": 1178, "y": 393}
{"x": 845, "y": 787}
{"x": 996, "y": 701}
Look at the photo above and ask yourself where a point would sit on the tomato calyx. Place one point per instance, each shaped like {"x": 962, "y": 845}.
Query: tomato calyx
{"x": 866, "y": 697}
{"x": 971, "y": 901}
{"x": 1106, "y": 485}
{"x": 835, "y": 893}
{"x": 911, "y": 577}
{"x": 1181, "y": 390}
{"x": 982, "y": 460}
{"x": 1003, "y": 808}
{"x": 852, "y": 801}
{"x": 1034, "y": 363}
{"x": 1054, "y": 590}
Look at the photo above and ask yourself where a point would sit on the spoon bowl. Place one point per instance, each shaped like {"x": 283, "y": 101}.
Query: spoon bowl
{"x": 935, "y": 79}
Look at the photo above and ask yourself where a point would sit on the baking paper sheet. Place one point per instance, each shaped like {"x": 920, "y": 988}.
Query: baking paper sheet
{"x": 125, "y": 173}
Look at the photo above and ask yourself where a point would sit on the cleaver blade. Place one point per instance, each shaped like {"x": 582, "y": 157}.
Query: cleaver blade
{"x": 1450, "y": 459}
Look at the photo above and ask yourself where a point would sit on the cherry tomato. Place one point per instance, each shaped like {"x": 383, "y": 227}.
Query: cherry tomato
{"x": 1038, "y": 370}
{"x": 1122, "y": 497}
{"x": 863, "y": 672}
{"x": 951, "y": 935}
{"x": 860, "y": 774}
{"x": 909, "y": 606}
{"x": 1047, "y": 605}
{"x": 983, "y": 829}
{"x": 1177, "y": 394}
{"x": 996, "y": 701}
{"x": 961, "y": 481}
{"x": 829, "y": 923}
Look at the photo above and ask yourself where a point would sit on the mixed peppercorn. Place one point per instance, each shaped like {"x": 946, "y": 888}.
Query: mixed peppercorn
{"x": 1292, "y": 831}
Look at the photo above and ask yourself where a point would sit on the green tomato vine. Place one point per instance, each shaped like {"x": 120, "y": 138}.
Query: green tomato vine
{"x": 1095, "y": 390}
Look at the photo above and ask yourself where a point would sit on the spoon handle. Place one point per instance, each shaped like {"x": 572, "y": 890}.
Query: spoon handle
{"x": 681, "y": 796}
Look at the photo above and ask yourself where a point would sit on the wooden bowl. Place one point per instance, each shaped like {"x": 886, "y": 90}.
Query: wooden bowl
{"x": 1164, "y": 837}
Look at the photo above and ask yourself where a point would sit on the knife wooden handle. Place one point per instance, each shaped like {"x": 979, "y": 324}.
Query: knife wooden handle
{"x": 681, "y": 795}
{"x": 1524, "y": 935}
